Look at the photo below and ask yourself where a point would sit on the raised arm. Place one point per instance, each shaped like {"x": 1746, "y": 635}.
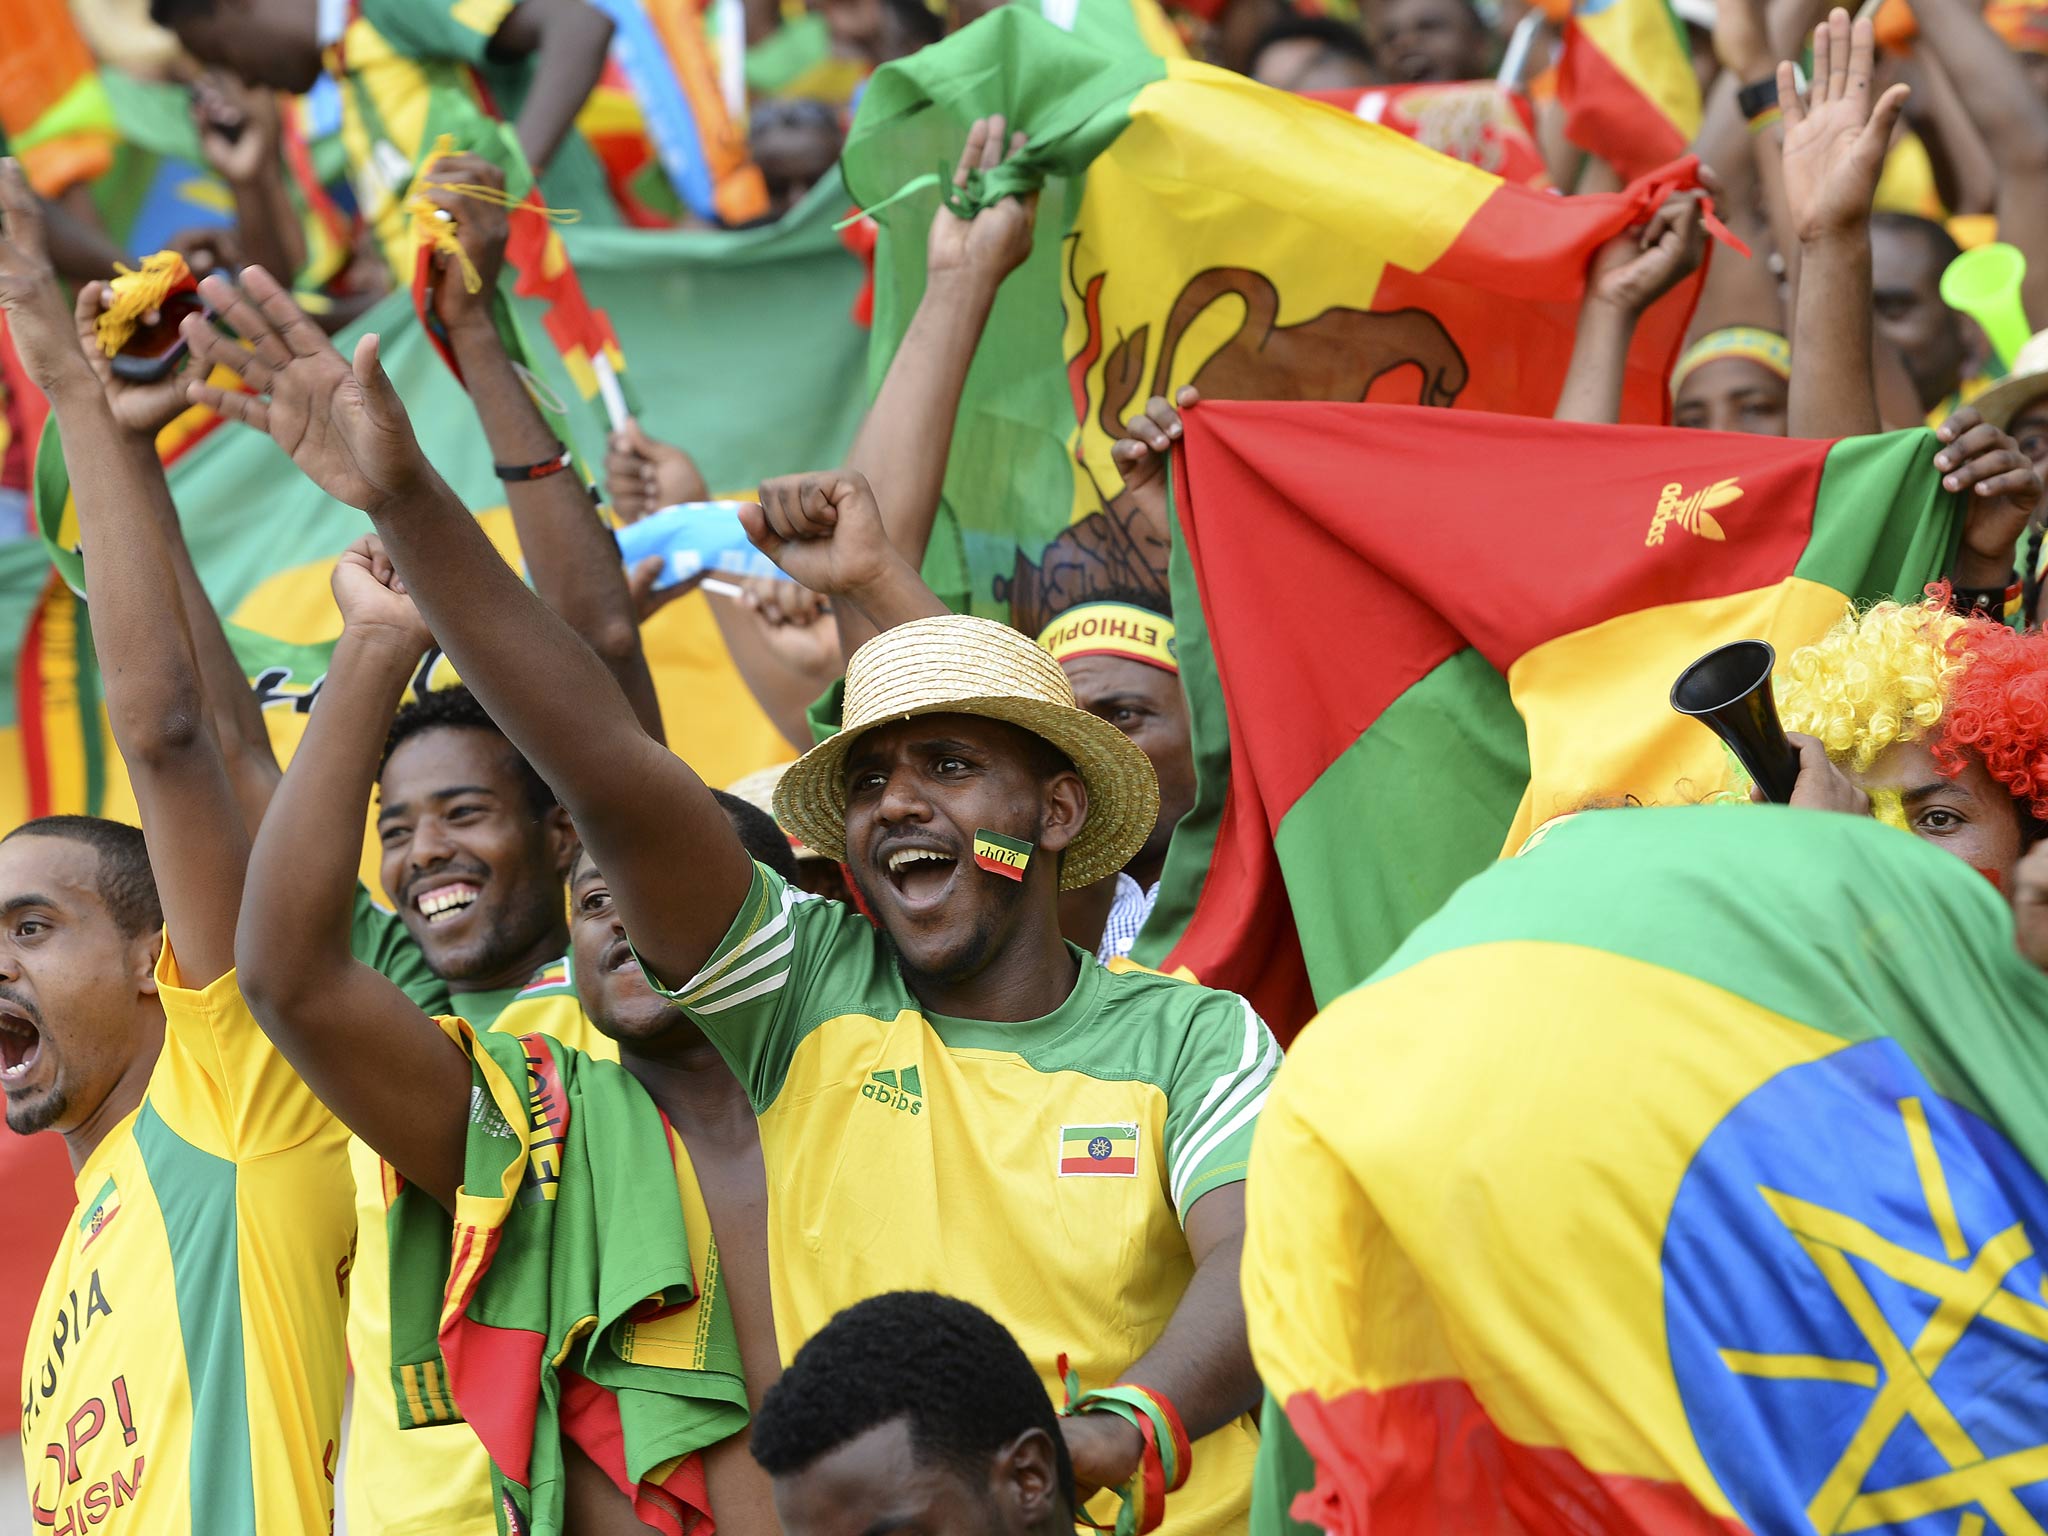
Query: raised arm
{"x": 1834, "y": 151}
{"x": 570, "y": 553}
{"x": 1627, "y": 275}
{"x": 903, "y": 443}
{"x": 677, "y": 870}
{"x": 360, "y": 1043}
{"x": 2013, "y": 120}
{"x": 197, "y": 843}
{"x": 240, "y": 136}
{"x": 142, "y": 411}
{"x": 826, "y": 530}
{"x": 569, "y": 39}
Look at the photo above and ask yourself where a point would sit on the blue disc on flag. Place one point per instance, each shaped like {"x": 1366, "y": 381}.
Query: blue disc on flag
{"x": 1098, "y": 1148}
{"x": 1853, "y": 1300}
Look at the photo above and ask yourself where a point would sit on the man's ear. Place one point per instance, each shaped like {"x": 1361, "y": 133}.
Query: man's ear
{"x": 562, "y": 840}
{"x": 146, "y": 949}
{"x": 1064, "y": 811}
{"x": 1026, "y": 1480}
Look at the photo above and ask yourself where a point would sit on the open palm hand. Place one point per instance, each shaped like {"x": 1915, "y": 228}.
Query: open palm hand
{"x": 341, "y": 423}
{"x": 1835, "y": 142}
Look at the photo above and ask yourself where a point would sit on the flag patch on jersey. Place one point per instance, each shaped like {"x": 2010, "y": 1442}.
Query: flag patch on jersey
{"x": 1099, "y": 1150}
{"x": 1000, "y": 855}
{"x": 548, "y": 978}
{"x": 105, "y": 1205}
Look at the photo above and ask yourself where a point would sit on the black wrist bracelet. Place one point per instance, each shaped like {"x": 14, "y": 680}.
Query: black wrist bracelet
{"x": 519, "y": 474}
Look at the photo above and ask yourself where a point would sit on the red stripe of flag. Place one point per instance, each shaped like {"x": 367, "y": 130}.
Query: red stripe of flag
{"x": 1098, "y": 1165}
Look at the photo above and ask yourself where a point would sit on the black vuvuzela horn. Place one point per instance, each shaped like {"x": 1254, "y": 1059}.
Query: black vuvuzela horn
{"x": 1728, "y": 690}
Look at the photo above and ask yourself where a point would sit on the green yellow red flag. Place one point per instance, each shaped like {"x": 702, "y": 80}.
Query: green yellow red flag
{"x": 1390, "y": 687}
{"x": 1195, "y": 227}
{"x": 1626, "y": 82}
{"x": 265, "y": 539}
{"x": 1683, "y": 1175}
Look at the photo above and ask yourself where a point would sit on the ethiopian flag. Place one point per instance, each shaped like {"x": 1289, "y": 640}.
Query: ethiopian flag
{"x": 1626, "y": 82}
{"x": 1683, "y": 1175}
{"x": 1197, "y": 228}
{"x": 1409, "y": 638}
{"x": 1098, "y": 1149}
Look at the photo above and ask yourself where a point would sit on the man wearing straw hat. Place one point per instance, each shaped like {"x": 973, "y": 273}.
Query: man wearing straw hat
{"x": 956, "y": 1098}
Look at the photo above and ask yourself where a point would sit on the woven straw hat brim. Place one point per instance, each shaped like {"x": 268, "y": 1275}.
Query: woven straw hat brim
{"x": 1123, "y": 791}
{"x": 2007, "y": 398}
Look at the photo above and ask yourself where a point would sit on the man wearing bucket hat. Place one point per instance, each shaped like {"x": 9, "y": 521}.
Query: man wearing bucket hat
{"x": 956, "y": 1097}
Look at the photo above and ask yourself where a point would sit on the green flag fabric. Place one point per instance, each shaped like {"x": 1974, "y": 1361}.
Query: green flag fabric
{"x": 561, "y": 1301}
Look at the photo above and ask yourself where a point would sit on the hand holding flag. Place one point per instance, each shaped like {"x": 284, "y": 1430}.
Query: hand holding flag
{"x": 466, "y": 274}
{"x": 993, "y": 241}
{"x": 342, "y": 424}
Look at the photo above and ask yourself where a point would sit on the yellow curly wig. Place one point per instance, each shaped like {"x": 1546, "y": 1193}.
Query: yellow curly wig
{"x": 1875, "y": 679}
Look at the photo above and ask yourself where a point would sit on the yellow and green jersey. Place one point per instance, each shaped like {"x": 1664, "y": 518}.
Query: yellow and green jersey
{"x": 184, "y": 1372}
{"x": 1040, "y": 1169}
{"x": 412, "y": 70}
{"x": 435, "y": 1478}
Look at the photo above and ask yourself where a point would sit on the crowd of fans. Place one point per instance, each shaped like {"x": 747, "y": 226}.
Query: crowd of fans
{"x": 773, "y": 1157}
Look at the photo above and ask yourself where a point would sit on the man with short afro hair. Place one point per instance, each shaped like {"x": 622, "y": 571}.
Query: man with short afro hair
{"x": 912, "y": 1410}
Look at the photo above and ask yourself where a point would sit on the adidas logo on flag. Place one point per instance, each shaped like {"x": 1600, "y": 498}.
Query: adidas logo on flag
{"x": 896, "y": 1090}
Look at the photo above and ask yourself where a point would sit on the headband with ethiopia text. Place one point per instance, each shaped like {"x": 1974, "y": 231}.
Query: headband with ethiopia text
{"x": 1112, "y": 629}
{"x": 1767, "y": 348}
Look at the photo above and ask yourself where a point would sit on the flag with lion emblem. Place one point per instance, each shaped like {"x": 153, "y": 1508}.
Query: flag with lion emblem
{"x": 1482, "y": 639}
{"x": 1197, "y": 228}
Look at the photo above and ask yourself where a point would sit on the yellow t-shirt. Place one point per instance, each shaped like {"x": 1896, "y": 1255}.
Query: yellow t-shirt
{"x": 184, "y": 1372}
{"x": 1041, "y": 1170}
{"x": 433, "y": 1480}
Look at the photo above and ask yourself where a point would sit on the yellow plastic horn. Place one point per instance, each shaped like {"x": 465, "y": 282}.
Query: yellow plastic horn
{"x": 1985, "y": 285}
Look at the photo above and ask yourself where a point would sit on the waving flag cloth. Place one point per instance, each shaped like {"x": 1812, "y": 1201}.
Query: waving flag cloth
{"x": 1684, "y": 1175}
{"x": 576, "y": 1301}
{"x": 54, "y": 111}
{"x": 1197, "y": 228}
{"x": 1626, "y": 81}
{"x": 744, "y": 310}
{"x": 1401, "y": 660}
{"x": 1477, "y": 121}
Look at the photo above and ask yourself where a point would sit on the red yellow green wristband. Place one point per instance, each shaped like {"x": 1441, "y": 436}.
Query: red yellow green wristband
{"x": 1167, "y": 1457}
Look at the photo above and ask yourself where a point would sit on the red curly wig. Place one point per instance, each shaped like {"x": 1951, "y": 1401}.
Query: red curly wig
{"x": 1997, "y": 708}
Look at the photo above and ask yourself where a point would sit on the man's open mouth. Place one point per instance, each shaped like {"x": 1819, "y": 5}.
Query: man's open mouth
{"x": 21, "y": 1043}
{"x": 444, "y": 903}
{"x": 920, "y": 875}
{"x": 618, "y": 956}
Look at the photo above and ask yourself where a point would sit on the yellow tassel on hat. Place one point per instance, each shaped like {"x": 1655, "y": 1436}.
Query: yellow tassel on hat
{"x": 136, "y": 292}
{"x": 435, "y": 226}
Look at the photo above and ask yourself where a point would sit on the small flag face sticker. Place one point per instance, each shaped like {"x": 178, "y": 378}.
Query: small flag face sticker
{"x": 1099, "y": 1151}
{"x": 1000, "y": 855}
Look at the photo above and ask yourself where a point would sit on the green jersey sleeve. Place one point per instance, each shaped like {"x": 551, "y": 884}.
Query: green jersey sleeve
{"x": 378, "y": 938}
{"x": 788, "y": 962}
{"x": 439, "y": 29}
{"x": 1218, "y": 1086}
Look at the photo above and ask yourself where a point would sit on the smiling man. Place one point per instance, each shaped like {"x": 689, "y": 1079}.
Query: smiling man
{"x": 438, "y": 1101}
{"x": 955, "y": 1097}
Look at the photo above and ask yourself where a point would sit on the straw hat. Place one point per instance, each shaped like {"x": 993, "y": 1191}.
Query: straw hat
{"x": 966, "y": 666}
{"x": 758, "y": 790}
{"x": 2026, "y": 383}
